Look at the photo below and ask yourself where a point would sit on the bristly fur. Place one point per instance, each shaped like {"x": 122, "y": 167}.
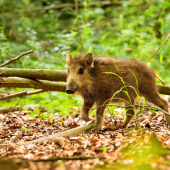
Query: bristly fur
{"x": 95, "y": 85}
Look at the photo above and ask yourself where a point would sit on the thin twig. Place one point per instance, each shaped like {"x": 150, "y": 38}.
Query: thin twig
{"x": 68, "y": 158}
{"x": 23, "y": 93}
{"x": 163, "y": 83}
{"x": 78, "y": 24}
{"x": 158, "y": 48}
{"x": 36, "y": 92}
{"x": 13, "y": 95}
{"x": 16, "y": 58}
{"x": 154, "y": 54}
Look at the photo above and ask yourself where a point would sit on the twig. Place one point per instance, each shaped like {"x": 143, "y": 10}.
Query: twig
{"x": 163, "y": 83}
{"x": 158, "y": 48}
{"x": 78, "y": 24}
{"x": 16, "y": 58}
{"x": 9, "y": 108}
{"x": 21, "y": 94}
{"x": 13, "y": 95}
{"x": 12, "y": 109}
{"x": 71, "y": 132}
{"x": 69, "y": 158}
{"x": 36, "y": 92}
{"x": 154, "y": 54}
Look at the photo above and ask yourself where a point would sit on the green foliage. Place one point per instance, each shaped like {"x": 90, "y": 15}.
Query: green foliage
{"x": 132, "y": 29}
{"x": 104, "y": 148}
{"x": 25, "y": 129}
{"x": 140, "y": 154}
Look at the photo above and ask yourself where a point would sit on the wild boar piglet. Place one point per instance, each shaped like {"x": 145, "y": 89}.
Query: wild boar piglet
{"x": 87, "y": 77}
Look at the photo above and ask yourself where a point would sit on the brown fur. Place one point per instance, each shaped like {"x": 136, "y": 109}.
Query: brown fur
{"x": 96, "y": 86}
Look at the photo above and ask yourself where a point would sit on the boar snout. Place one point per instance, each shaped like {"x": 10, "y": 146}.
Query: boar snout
{"x": 69, "y": 91}
{"x": 71, "y": 87}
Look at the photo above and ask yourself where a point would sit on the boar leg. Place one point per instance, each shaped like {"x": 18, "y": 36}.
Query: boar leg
{"x": 99, "y": 115}
{"x": 85, "y": 110}
{"x": 129, "y": 114}
{"x": 158, "y": 101}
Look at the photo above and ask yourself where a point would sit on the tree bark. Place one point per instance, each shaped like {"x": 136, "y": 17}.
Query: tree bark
{"x": 43, "y": 74}
{"x": 29, "y": 75}
{"x": 163, "y": 89}
{"x": 51, "y": 86}
{"x": 29, "y": 83}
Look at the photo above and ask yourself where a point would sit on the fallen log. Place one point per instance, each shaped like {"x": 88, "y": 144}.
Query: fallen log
{"x": 43, "y": 74}
{"x": 51, "y": 86}
{"x": 29, "y": 83}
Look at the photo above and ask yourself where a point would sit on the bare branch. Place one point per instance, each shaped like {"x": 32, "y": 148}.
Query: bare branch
{"x": 10, "y": 108}
{"x": 163, "y": 83}
{"x": 36, "y": 92}
{"x": 16, "y": 58}
{"x": 13, "y": 95}
{"x": 71, "y": 132}
{"x": 43, "y": 74}
{"x": 69, "y": 158}
{"x": 28, "y": 83}
{"x": 158, "y": 48}
{"x": 23, "y": 93}
{"x": 27, "y": 108}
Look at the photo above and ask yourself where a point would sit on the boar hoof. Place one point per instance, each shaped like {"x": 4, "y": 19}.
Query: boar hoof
{"x": 98, "y": 127}
{"x": 167, "y": 117}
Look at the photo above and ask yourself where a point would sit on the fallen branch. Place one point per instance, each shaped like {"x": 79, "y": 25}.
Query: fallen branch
{"x": 158, "y": 48}
{"x": 10, "y": 108}
{"x": 29, "y": 83}
{"x": 68, "y": 158}
{"x": 72, "y": 132}
{"x": 13, "y": 95}
{"x": 154, "y": 54}
{"x": 27, "y": 107}
{"x": 43, "y": 74}
{"x": 16, "y": 58}
{"x": 51, "y": 86}
{"x": 23, "y": 93}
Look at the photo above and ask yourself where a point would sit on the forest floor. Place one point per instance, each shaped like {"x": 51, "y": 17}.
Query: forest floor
{"x": 144, "y": 144}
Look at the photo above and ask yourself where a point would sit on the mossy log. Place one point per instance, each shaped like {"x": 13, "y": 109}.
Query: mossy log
{"x": 42, "y": 74}
{"x": 30, "y": 83}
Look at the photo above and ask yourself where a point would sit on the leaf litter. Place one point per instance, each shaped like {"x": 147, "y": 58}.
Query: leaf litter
{"x": 144, "y": 144}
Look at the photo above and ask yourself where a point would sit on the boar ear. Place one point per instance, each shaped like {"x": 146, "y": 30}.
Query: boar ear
{"x": 68, "y": 58}
{"x": 88, "y": 59}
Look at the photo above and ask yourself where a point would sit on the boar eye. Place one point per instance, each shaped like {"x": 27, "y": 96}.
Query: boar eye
{"x": 80, "y": 71}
